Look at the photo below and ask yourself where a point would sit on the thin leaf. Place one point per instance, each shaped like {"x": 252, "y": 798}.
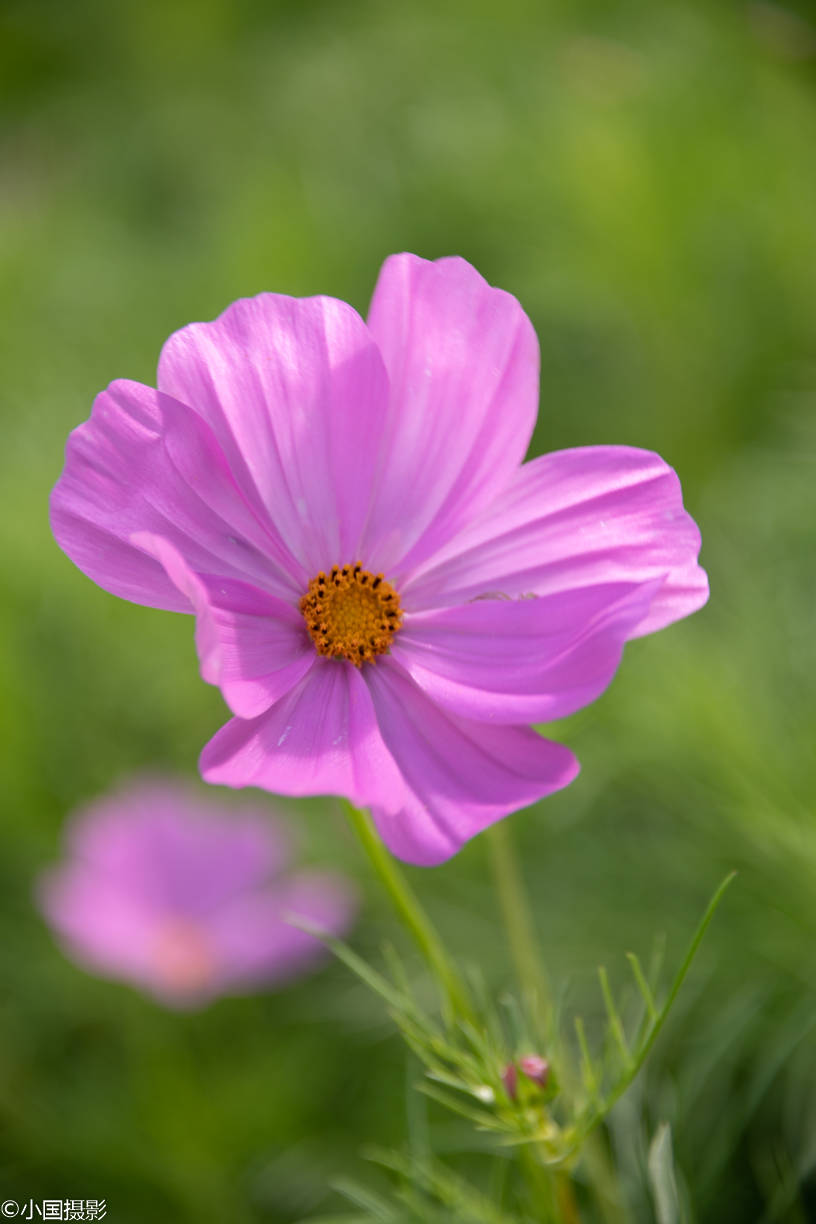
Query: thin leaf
{"x": 416, "y": 1110}
{"x": 615, "y": 1023}
{"x": 444, "y": 1185}
{"x": 587, "y": 1066}
{"x": 643, "y": 986}
{"x": 652, "y": 1034}
{"x": 374, "y": 980}
{"x": 480, "y": 1117}
{"x": 379, "y": 1207}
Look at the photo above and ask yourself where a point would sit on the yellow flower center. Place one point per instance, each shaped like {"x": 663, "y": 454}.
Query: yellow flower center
{"x": 351, "y": 614}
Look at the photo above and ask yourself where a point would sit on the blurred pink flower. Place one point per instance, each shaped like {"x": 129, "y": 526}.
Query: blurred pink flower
{"x": 328, "y": 494}
{"x": 184, "y": 899}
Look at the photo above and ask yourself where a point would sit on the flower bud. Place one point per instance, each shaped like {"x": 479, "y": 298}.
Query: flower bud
{"x": 509, "y": 1078}
{"x": 535, "y": 1068}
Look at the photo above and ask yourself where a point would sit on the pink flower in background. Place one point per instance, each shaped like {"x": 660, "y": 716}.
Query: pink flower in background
{"x": 186, "y": 900}
{"x": 385, "y": 594}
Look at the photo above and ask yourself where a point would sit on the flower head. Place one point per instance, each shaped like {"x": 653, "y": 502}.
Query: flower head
{"x": 385, "y": 593}
{"x": 185, "y": 900}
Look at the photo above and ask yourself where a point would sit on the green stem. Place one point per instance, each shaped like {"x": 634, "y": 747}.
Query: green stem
{"x": 520, "y": 931}
{"x": 518, "y": 920}
{"x": 411, "y": 913}
{"x": 532, "y": 975}
{"x": 540, "y": 1186}
{"x": 567, "y": 1203}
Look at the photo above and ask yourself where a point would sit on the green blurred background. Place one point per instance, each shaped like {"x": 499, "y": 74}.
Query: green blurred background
{"x": 642, "y": 176}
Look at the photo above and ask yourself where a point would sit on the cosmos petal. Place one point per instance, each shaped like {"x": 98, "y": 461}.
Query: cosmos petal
{"x": 521, "y": 661}
{"x": 256, "y": 939}
{"x": 160, "y": 845}
{"x": 321, "y": 739}
{"x": 462, "y": 360}
{"x": 458, "y": 776}
{"x": 253, "y": 646}
{"x": 144, "y": 462}
{"x": 73, "y": 897}
{"x": 573, "y": 519}
{"x": 294, "y": 390}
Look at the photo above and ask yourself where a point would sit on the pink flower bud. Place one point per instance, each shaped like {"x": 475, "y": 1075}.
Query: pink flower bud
{"x": 535, "y": 1068}
{"x": 510, "y": 1080}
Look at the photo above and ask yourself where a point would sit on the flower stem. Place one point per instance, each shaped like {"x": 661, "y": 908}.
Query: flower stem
{"x": 411, "y": 914}
{"x": 567, "y": 1203}
{"x": 532, "y": 976}
{"x": 515, "y": 910}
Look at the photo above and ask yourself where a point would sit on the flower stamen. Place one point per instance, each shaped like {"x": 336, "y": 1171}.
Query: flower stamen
{"x": 351, "y": 614}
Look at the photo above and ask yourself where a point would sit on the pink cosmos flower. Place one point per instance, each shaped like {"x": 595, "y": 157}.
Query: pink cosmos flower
{"x": 185, "y": 900}
{"x": 385, "y": 594}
